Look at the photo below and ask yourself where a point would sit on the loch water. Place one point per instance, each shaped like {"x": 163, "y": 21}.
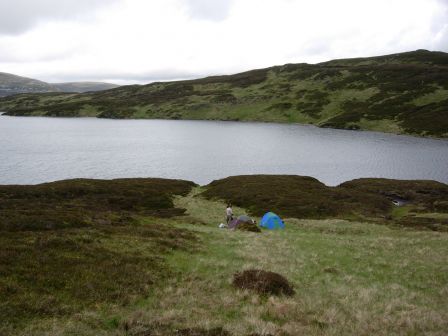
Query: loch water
{"x": 38, "y": 149}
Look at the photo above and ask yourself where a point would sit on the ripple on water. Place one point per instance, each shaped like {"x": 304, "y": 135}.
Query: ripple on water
{"x": 35, "y": 149}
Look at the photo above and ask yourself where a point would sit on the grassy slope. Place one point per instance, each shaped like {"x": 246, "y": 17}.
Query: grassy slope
{"x": 70, "y": 245}
{"x": 366, "y": 199}
{"x": 402, "y": 93}
{"x": 83, "y": 86}
{"x": 351, "y": 278}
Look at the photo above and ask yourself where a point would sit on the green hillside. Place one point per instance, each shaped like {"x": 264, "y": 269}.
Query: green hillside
{"x": 134, "y": 257}
{"x": 404, "y": 93}
{"x": 366, "y": 199}
{"x": 83, "y": 86}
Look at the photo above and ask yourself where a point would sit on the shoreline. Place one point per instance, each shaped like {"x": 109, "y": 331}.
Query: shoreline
{"x": 5, "y": 114}
{"x": 217, "y": 179}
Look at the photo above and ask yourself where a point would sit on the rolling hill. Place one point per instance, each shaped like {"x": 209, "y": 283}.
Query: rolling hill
{"x": 83, "y": 86}
{"x": 405, "y": 93}
{"x": 12, "y": 84}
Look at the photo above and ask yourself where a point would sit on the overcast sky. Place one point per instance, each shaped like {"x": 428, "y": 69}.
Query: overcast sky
{"x": 140, "y": 41}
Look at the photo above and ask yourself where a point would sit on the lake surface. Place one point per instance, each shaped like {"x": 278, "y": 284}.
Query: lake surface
{"x": 36, "y": 149}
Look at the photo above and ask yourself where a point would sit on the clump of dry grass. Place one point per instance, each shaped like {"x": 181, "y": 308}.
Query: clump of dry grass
{"x": 201, "y": 332}
{"x": 248, "y": 227}
{"x": 263, "y": 282}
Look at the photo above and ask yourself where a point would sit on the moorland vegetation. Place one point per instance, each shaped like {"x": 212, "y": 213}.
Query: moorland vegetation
{"x": 404, "y": 93}
{"x": 146, "y": 257}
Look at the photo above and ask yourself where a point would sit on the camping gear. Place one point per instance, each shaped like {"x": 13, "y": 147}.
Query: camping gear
{"x": 271, "y": 221}
{"x": 234, "y": 223}
{"x": 245, "y": 218}
{"x": 241, "y": 219}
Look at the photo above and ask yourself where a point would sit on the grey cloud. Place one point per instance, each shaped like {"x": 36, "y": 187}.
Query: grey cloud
{"x": 315, "y": 47}
{"x": 17, "y": 16}
{"x": 439, "y": 27}
{"x": 212, "y": 10}
{"x": 9, "y": 56}
{"x": 110, "y": 76}
{"x": 442, "y": 42}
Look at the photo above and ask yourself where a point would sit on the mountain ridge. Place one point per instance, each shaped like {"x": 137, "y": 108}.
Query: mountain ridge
{"x": 11, "y": 84}
{"x": 404, "y": 93}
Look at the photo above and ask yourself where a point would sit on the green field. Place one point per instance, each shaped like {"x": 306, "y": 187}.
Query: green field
{"x": 146, "y": 257}
{"x": 404, "y": 93}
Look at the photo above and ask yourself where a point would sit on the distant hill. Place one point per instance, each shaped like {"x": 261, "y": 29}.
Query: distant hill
{"x": 420, "y": 56}
{"x": 405, "y": 93}
{"x": 12, "y": 84}
{"x": 83, "y": 86}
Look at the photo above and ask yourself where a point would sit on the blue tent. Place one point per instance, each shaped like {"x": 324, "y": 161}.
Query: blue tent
{"x": 271, "y": 221}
